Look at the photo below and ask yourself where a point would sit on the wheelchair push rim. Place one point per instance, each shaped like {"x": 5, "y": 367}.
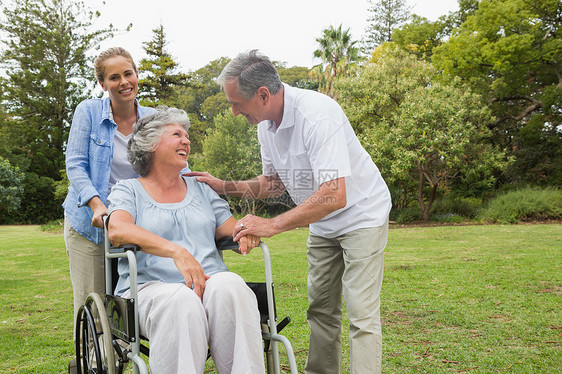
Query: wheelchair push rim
{"x": 94, "y": 349}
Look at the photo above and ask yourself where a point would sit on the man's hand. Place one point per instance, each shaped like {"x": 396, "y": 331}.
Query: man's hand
{"x": 204, "y": 177}
{"x": 256, "y": 226}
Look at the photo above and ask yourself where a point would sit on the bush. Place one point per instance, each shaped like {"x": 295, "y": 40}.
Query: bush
{"x": 39, "y": 204}
{"x": 528, "y": 204}
{"x": 448, "y": 218}
{"x": 11, "y": 188}
{"x": 467, "y": 207}
{"x": 56, "y": 226}
{"x": 406, "y": 215}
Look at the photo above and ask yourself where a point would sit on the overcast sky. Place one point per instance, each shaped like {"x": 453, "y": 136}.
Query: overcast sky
{"x": 204, "y": 30}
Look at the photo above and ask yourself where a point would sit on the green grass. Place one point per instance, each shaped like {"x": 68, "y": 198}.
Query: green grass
{"x": 478, "y": 299}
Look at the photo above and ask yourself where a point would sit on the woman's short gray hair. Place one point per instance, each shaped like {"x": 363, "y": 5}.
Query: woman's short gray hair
{"x": 147, "y": 133}
{"x": 252, "y": 70}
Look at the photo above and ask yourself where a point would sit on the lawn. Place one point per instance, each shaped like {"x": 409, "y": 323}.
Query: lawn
{"x": 477, "y": 299}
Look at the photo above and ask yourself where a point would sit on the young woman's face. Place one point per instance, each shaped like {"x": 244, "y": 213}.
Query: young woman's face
{"x": 120, "y": 79}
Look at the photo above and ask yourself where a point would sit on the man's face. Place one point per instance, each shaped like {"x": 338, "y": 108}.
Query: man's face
{"x": 252, "y": 109}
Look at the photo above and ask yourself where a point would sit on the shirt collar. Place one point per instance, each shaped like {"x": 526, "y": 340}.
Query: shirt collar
{"x": 288, "y": 117}
{"x": 108, "y": 112}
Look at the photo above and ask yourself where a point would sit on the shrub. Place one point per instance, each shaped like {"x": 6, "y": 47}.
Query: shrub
{"x": 406, "y": 215}
{"x": 11, "y": 187}
{"x": 448, "y": 218}
{"x": 528, "y": 204}
{"x": 55, "y": 226}
{"x": 467, "y": 207}
{"x": 39, "y": 204}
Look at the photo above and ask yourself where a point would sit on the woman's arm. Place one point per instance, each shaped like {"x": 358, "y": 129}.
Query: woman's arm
{"x": 123, "y": 230}
{"x": 245, "y": 243}
{"x": 78, "y": 168}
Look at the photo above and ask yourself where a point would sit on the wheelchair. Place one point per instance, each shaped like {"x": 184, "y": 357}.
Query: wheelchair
{"x": 107, "y": 333}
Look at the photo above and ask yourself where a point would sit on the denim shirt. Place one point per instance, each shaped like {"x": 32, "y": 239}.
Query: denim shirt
{"x": 88, "y": 162}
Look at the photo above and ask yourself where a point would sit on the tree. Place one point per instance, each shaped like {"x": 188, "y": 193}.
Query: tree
{"x": 295, "y": 76}
{"x": 11, "y": 189}
{"x": 337, "y": 51}
{"x": 386, "y": 15}
{"x": 421, "y": 132}
{"x": 231, "y": 152}
{"x": 202, "y": 99}
{"x": 510, "y": 52}
{"x": 47, "y": 69}
{"x": 420, "y": 36}
{"x": 157, "y": 87}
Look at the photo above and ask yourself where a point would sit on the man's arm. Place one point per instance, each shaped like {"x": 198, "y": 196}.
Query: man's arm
{"x": 330, "y": 197}
{"x": 260, "y": 187}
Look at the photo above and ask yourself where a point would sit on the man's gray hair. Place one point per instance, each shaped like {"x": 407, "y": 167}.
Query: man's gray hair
{"x": 147, "y": 133}
{"x": 252, "y": 70}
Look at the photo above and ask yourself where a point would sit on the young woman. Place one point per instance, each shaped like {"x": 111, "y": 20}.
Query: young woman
{"x": 96, "y": 158}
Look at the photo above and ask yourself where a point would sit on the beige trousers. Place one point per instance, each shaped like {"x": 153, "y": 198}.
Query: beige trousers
{"x": 87, "y": 264}
{"x": 353, "y": 264}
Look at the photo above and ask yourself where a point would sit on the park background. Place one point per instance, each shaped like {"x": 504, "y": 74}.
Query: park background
{"x": 461, "y": 113}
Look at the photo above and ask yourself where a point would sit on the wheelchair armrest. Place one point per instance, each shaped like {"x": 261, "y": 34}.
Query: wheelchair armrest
{"x": 124, "y": 248}
{"x": 226, "y": 243}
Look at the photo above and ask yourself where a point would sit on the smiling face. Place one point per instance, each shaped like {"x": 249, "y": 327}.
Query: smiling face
{"x": 173, "y": 148}
{"x": 120, "y": 79}
{"x": 252, "y": 109}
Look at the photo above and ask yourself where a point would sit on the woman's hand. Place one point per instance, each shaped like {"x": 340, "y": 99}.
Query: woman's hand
{"x": 247, "y": 242}
{"x": 99, "y": 209}
{"x": 191, "y": 271}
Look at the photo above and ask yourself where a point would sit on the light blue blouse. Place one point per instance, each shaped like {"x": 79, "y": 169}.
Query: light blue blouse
{"x": 190, "y": 223}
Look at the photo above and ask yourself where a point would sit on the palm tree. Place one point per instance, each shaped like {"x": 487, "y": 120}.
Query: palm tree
{"x": 337, "y": 51}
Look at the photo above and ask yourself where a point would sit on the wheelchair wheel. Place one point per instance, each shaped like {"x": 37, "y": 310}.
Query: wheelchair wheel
{"x": 94, "y": 350}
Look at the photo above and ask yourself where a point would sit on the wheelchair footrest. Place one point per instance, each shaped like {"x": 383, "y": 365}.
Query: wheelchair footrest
{"x": 281, "y": 325}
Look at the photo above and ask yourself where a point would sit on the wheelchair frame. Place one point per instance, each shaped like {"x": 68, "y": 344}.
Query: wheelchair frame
{"x": 123, "y": 310}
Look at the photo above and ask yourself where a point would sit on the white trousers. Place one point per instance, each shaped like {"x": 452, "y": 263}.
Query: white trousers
{"x": 180, "y": 327}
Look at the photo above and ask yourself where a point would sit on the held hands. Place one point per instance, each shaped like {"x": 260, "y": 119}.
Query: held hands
{"x": 253, "y": 226}
{"x": 247, "y": 242}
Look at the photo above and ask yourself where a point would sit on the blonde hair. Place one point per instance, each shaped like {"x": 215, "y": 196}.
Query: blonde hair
{"x": 99, "y": 62}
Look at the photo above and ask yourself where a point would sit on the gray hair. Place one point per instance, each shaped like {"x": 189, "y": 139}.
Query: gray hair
{"x": 147, "y": 133}
{"x": 252, "y": 70}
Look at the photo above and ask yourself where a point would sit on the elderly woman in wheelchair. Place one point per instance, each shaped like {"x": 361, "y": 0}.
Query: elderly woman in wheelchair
{"x": 187, "y": 300}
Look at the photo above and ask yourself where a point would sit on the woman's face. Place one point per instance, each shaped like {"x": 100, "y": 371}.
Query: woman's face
{"x": 174, "y": 147}
{"x": 120, "y": 79}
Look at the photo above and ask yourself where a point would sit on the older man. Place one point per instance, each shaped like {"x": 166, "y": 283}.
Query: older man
{"x": 309, "y": 149}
